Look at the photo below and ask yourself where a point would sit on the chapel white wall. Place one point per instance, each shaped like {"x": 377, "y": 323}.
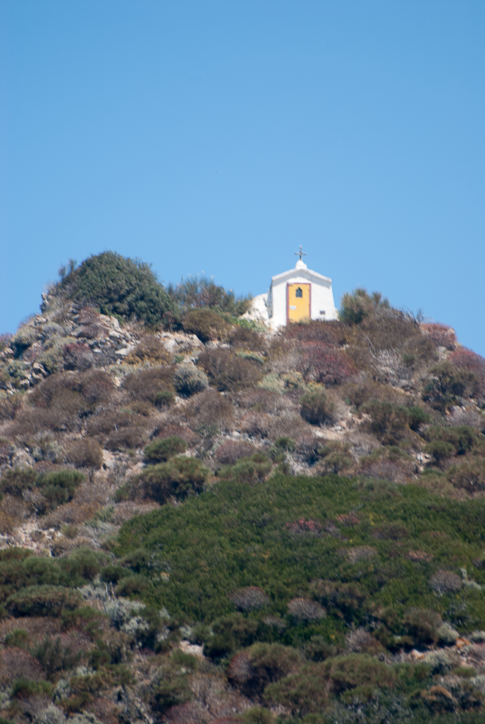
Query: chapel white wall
{"x": 321, "y": 299}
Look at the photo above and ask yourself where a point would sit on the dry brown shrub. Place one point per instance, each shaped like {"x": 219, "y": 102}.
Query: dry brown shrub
{"x": 31, "y": 421}
{"x": 256, "y": 424}
{"x": 445, "y": 582}
{"x": 16, "y": 663}
{"x": 358, "y": 553}
{"x": 251, "y": 598}
{"x": 128, "y": 509}
{"x": 287, "y": 425}
{"x": 109, "y": 420}
{"x": 72, "y": 513}
{"x": 389, "y": 331}
{"x": 192, "y": 712}
{"x": 96, "y": 386}
{"x": 229, "y": 371}
{"x": 206, "y": 324}
{"x": 10, "y": 405}
{"x": 88, "y": 315}
{"x": 209, "y": 408}
{"x": 360, "y": 393}
{"x": 233, "y": 450}
{"x": 419, "y": 350}
{"x": 384, "y": 466}
{"x": 77, "y": 356}
{"x": 150, "y": 350}
{"x": 303, "y": 609}
{"x": 261, "y": 400}
{"x": 333, "y": 333}
{"x": 242, "y": 338}
{"x": 146, "y": 384}
{"x": 361, "y": 641}
{"x": 85, "y": 453}
{"x": 128, "y": 438}
{"x": 348, "y": 519}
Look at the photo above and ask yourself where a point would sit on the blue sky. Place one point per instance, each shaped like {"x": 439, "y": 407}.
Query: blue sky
{"x": 216, "y": 137}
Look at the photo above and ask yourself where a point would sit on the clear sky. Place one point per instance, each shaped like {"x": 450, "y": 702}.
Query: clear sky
{"x": 216, "y": 136}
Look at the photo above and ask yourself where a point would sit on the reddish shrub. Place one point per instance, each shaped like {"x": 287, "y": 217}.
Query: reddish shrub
{"x": 85, "y": 453}
{"x": 250, "y": 598}
{"x": 77, "y": 356}
{"x": 209, "y": 409}
{"x": 129, "y": 438}
{"x": 233, "y": 450}
{"x": 465, "y": 359}
{"x": 146, "y": 384}
{"x": 331, "y": 333}
{"x": 325, "y": 364}
{"x": 440, "y": 334}
{"x": 302, "y": 526}
{"x": 150, "y": 349}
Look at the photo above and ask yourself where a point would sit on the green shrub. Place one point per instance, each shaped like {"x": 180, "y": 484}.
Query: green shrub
{"x": 262, "y": 664}
{"x": 358, "y": 305}
{"x": 302, "y": 693}
{"x": 165, "y": 398}
{"x": 417, "y": 417}
{"x": 189, "y": 380}
{"x": 19, "y": 638}
{"x": 461, "y": 437}
{"x": 199, "y": 292}
{"x": 355, "y": 670}
{"x": 58, "y": 488}
{"x": 317, "y": 408}
{"x": 439, "y": 450}
{"x": 42, "y": 601}
{"x": 178, "y": 477}
{"x": 206, "y": 324}
{"x": 248, "y": 470}
{"x": 23, "y": 688}
{"x": 231, "y": 633}
{"x": 159, "y": 451}
{"x": 120, "y": 286}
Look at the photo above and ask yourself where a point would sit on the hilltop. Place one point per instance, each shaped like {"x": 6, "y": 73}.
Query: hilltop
{"x": 203, "y": 520}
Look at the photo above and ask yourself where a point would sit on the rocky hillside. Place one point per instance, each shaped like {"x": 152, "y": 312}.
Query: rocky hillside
{"x": 203, "y": 521}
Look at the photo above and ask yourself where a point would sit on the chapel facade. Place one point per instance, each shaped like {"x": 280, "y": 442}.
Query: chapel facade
{"x": 294, "y": 296}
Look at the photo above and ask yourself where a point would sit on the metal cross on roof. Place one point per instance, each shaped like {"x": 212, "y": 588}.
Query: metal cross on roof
{"x": 300, "y": 253}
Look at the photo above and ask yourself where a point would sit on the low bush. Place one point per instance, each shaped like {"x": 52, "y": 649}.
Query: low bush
{"x": 178, "y": 477}
{"x": 469, "y": 475}
{"x": 59, "y": 487}
{"x": 206, "y": 324}
{"x": 228, "y": 371}
{"x": 447, "y": 384}
{"x": 148, "y": 383}
{"x": 303, "y": 609}
{"x": 387, "y": 421}
{"x": 251, "y": 470}
{"x": 202, "y": 293}
{"x": 17, "y": 481}
{"x": 317, "y": 408}
{"x": 250, "y": 598}
{"x": 209, "y": 412}
{"x": 445, "y": 582}
{"x": 440, "y": 334}
{"x": 189, "y": 380}
{"x": 326, "y": 365}
{"x": 85, "y": 453}
{"x": 243, "y": 338}
{"x": 128, "y": 438}
{"x": 358, "y": 305}
{"x": 422, "y": 625}
{"x": 329, "y": 333}
{"x": 230, "y": 451}
{"x": 355, "y": 670}
{"x": 262, "y": 664}
{"x": 149, "y": 350}
{"x": 55, "y": 657}
{"x": 77, "y": 356}
{"x": 159, "y": 451}
{"x": 42, "y": 601}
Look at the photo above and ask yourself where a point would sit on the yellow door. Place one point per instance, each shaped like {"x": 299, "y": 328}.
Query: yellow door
{"x": 298, "y": 296}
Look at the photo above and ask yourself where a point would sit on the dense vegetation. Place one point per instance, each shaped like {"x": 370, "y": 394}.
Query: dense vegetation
{"x": 204, "y": 522}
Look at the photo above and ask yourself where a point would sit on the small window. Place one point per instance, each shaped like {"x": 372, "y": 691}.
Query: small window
{"x": 299, "y": 292}
{"x": 322, "y": 312}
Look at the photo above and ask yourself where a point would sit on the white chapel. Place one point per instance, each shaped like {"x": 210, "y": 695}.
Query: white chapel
{"x": 294, "y": 296}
